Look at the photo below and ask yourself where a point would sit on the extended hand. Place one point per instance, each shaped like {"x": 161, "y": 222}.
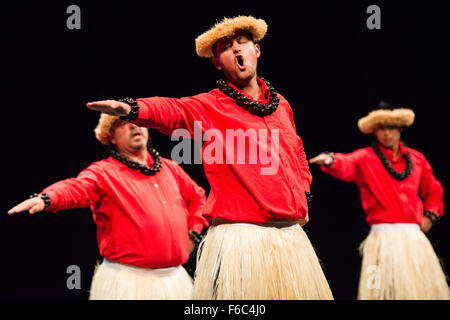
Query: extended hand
{"x": 32, "y": 205}
{"x": 112, "y": 107}
{"x": 322, "y": 159}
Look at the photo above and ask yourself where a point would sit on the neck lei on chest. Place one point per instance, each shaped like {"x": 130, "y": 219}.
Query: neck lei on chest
{"x": 388, "y": 166}
{"x": 247, "y": 103}
{"x": 148, "y": 171}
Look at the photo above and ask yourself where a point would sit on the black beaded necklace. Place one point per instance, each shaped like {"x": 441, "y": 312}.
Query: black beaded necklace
{"x": 247, "y": 103}
{"x": 148, "y": 171}
{"x": 387, "y": 164}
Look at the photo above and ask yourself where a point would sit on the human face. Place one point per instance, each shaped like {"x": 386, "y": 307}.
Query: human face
{"x": 128, "y": 137}
{"x": 388, "y": 136}
{"x": 237, "y": 56}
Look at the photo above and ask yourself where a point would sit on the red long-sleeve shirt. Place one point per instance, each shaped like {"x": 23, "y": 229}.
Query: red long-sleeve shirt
{"x": 385, "y": 199}
{"x": 239, "y": 191}
{"x": 141, "y": 220}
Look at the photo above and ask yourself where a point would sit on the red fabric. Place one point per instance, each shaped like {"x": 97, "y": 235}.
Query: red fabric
{"x": 385, "y": 199}
{"x": 141, "y": 220}
{"x": 240, "y": 191}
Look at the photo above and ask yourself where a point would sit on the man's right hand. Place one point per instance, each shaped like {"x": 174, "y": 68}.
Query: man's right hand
{"x": 322, "y": 159}
{"x": 32, "y": 205}
{"x": 191, "y": 246}
{"x": 112, "y": 107}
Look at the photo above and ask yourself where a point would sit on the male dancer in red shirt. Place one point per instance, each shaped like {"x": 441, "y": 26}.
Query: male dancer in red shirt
{"x": 401, "y": 197}
{"x": 143, "y": 205}
{"x": 256, "y": 248}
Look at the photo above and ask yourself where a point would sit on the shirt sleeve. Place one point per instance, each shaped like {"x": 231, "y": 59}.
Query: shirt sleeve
{"x": 79, "y": 192}
{"x": 431, "y": 190}
{"x": 194, "y": 197}
{"x": 304, "y": 165}
{"x": 344, "y": 167}
{"x": 168, "y": 114}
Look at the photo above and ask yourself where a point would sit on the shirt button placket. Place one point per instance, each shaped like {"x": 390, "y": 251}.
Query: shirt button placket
{"x": 164, "y": 201}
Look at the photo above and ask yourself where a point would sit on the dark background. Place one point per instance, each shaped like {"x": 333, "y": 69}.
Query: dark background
{"x": 319, "y": 55}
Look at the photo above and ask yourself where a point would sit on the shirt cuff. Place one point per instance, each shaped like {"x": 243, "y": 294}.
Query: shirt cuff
{"x": 145, "y": 115}
{"x": 53, "y": 201}
{"x": 435, "y": 210}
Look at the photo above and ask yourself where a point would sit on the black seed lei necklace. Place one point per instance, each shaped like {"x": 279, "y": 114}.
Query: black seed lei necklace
{"x": 148, "y": 171}
{"x": 388, "y": 166}
{"x": 247, "y": 103}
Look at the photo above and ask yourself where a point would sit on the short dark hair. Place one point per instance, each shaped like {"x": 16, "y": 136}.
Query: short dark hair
{"x": 383, "y": 104}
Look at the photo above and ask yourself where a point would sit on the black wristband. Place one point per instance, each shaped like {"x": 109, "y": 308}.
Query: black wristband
{"x": 332, "y": 157}
{"x": 44, "y": 197}
{"x": 432, "y": 216}
{"x": 195, "y": 236}
{"x": 309, "y": 199}
{"x": 134, "y": 112}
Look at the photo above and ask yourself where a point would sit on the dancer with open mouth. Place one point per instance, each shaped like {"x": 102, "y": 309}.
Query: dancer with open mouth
{"x": 256, "y": 247}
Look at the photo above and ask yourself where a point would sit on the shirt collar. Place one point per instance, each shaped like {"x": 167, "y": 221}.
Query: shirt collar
{"x": 263, "y": 98}
{"x": 390, "y": 154}
{"x": 150, "y": 160}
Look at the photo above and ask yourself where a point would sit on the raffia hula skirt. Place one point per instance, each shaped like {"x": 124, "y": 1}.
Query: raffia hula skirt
{"x": 246, "y": 261}
{"x": 118, "y": 281}
{"x": 399, "y": 263}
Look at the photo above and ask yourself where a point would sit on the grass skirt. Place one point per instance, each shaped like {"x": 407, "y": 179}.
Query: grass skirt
{"x": 118, "y": 281}
{"x": 246, "y": 261}
{"x": 399, "y": 263}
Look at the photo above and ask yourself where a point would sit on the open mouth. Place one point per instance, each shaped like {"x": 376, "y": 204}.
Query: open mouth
{"x": 240, "y": 62}
{"x": 136, "y": 134}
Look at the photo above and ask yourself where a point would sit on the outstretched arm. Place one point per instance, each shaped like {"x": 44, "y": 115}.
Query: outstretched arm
{"x": 339, "y": 165}
{"x": 32, "y": 205}
{"x": 323, "y": 159}
{"x": 112, "y": 107}
{"x": 163, "y": 114}
{"x": 76, "y": 192}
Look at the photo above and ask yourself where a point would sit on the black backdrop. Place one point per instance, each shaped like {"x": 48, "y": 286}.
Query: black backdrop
{"x": 319, "y": 55}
